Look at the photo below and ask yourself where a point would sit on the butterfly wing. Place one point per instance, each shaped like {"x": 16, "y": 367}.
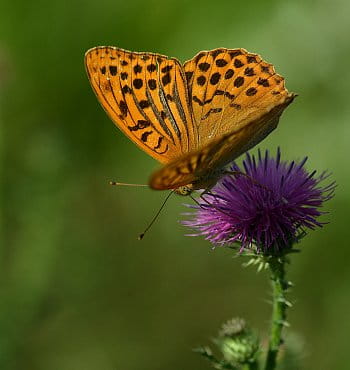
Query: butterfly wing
{"x": 194, "y": 118}
{"x": 229, "y": 88}
{"x": 145, "y": 95}
{"x": 202, "y": 167}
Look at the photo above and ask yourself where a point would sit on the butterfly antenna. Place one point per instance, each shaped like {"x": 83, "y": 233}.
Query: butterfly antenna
{"x": 125, "y": 184}
{"x": 156, "y": 216}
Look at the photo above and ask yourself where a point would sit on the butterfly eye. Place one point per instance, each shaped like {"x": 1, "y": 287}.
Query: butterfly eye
{"x": 183, "y": 190}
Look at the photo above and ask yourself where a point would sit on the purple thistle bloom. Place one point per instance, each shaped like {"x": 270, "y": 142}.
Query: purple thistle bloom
{"x": 268, "y": 205}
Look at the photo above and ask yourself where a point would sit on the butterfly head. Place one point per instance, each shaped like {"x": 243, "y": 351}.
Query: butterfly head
{"x": 206, "y": 181}
{"x": 184, "y": 190}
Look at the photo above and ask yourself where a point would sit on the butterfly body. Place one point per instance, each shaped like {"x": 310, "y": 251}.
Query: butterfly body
{"x": 193, "y": 118}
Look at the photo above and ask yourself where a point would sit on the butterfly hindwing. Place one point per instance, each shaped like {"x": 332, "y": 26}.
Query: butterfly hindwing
{"x": 201, "y": 167}
{"x": 146, "y": 97}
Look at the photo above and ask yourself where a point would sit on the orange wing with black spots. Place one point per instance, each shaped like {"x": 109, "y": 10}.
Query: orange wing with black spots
{"x": 146, "y": 97}
{"x": 229, "y": 88}
{"x": 193, "y": 118}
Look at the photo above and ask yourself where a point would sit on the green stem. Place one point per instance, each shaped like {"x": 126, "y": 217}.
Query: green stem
{"x": 279, "y": 288}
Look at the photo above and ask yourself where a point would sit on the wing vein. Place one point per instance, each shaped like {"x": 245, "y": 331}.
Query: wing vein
{"x": 167, "y": 109}
{"x": 157, "y": 114}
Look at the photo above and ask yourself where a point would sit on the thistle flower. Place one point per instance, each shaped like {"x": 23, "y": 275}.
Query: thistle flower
{"x": 268, "y": 203}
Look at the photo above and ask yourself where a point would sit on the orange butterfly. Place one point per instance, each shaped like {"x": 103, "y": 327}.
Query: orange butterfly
{"x": 194, "y": 118}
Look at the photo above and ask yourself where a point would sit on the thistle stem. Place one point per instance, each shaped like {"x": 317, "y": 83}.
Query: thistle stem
{"x": 279, "y": 306}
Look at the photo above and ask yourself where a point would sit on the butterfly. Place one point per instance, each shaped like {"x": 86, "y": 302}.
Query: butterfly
{"x": 195, "y": 117}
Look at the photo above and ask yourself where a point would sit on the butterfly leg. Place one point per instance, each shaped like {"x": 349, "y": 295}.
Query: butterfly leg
{"x": 239, "y": 173}
{"x": 196, "y": 201}
{"x": 207, "y": 191}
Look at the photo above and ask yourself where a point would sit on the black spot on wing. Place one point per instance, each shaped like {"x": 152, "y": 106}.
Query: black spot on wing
{"x": 225, "y": 93}
{"x": 251, "y": 59}
{"x": 198, "y": 101}
{"x": 152, "y": 84}
{"x": 166, "y": 79}
{"x": 234, "y": 53}
{"x": 123, "y": 108}
{"x": 251, "y": 91}
{"x": 126, "y": 89}
{"x": 204, "y": 66}
{"x": 263, "y": 82}
{"x": 188, "y": 75}
{"x": 220, "y": 62}
{"x": 239, "y": 81}
{"x": 151, "y": 67}
{"x": 216, "y": 52}
{"x": 198, "y": 57}
{"x": 249, "y": 71}
{"x": 138, "y": 83}
{"x": 166, "y": 69}
{"x": 219, "y": 92}
{"x": 237, "y": 63}
{"x": 214, "y": 79}
{"x": 137, "y": 69}
{"x": 145, "y": 135}
{"x": 144, "y": 104}
{"x": 236, "y": 106}
{"x": 201, "y": 80}
{"x": 212, "y": 110}
{"x": 229, "y": 73}
{"x": 113, "y": 70}
{"x": 159, "y": 143}
{"x": 141, "y": 124}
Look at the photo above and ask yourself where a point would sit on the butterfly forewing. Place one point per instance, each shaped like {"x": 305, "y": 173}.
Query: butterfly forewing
{"x": 145, "y": 95}
{"x": 229, "y": 88}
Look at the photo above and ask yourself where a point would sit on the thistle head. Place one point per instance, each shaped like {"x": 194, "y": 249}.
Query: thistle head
{"x": 268, "y": 206}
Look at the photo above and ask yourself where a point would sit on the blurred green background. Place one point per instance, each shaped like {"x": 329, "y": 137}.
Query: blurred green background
{"x": 78, "y": 291}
